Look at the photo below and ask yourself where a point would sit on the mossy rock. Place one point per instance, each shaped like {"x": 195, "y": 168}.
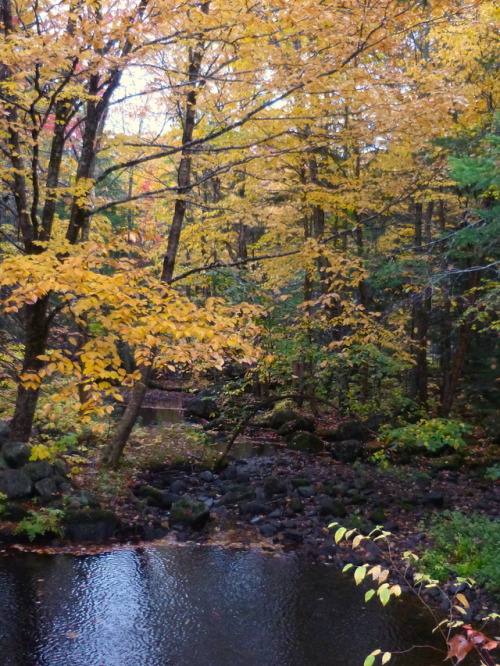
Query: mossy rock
{"x": 274, "y": 486}
{"x": 190, "y": 513}
{"x": 306, "y": 441}
{"x": 95, "y": 525}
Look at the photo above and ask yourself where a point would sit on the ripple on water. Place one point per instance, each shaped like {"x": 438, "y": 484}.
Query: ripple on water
{"x": 194, "y": 606}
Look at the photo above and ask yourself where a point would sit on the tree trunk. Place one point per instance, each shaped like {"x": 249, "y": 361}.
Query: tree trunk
{"x": 120, "y": 437}
{"x": 36, "y": 331}
{"x": 184, "y": 172}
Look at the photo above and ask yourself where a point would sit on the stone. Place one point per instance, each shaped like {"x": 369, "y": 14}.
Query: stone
{"x": 296, "y": 506}
{"x": 306, "y": 441}
{"x": 268, "y": 530}
{"x": 15, "y": 484}
{"x": 189, "y": 512}
{"x": 14, "y": 511}
{"x": 82, "y": 499}
{"x": 203, "y": 405}
{"x": 95, "y": 525}
{"x": 3, "y": 464}
{"x": 167, "y": 499}
{"x": 16, "y": 454}
{"x": 353, "y": 429}
{"x": 274, "y": 486}
{"x": 38, "y": 469}
{"x": 306, "y": 491}
{"x": 303, "y": 423}
{"x": 280, "y": 417}
{"x": 236, "y": 495}
{"x": 61, "y": 467}
{"x": 47, "y": 489}
{"x": 331, "y": 507}
{"x": 206, "y": 476}
{"x": 178, "y": 486}
{"x": 152, "y": 495}
{"x": 347, "y": 451}
{"x": 254, "y": 508}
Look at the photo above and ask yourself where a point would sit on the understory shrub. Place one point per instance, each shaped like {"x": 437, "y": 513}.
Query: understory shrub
{"x": 466, "y": 545}
{"x": 430, "y": 435}
{"x": 38, "y": 523}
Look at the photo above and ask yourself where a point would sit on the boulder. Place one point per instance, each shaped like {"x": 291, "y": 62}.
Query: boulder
{"x": 189, "y": 512}
{"x": 306, "y": 441}
{"x": 352, "y": 429}
{"x": 167, "y": 499}
{"x": 178, "y": 486}
{"x": 16, "y": 454}
{"x": 47, "y": 489}
{"x": 282, "y": 416}
{"x": 94, "y": 525}
{"x": 305, "y": 423}
{"x": 152, "y": 495}
{"x": 14, "y": 511}
{"x": 274, "y": 486}
{"x": 38, "y": 469}
{"x": 203, "y": 405}
{"x": 82, "y": 499}
{"x": 15, "y": 484}
{"x": 347, "y": 451}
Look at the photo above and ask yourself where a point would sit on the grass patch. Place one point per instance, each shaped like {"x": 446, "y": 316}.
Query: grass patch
{"x": 465, "y": 545}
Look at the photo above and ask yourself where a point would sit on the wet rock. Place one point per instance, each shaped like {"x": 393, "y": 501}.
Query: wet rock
{"x": 274, "y": 486}
{"x": 331, "y": 507}
{"x": 178, "y": 486}
{"x": 15, "y": 484}
{"x": 306, "y": 441}
{"x": 306, "y": 491}
{"x": 347, "y": 451}
{"x": 95, "y": 525}
{"x": 38, "y": 469}
{"x": 47, "y": 489}
{"x": 203, "y": 405}
{"x": 190, "y": 513}
{"x": 254, "y": 508}
{"x": 268, "y": 530}
{"x": 16, "y": 454}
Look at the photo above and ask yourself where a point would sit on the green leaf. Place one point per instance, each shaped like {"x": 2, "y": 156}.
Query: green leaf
{"x": 369, "y": 595}
{"x": 384, "y": 595}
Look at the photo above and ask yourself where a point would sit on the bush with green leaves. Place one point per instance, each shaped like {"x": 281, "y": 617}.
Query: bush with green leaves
{"x": 39, "y": 523}
{"x": 430, "y": 435}
{"x": 464, "y": 545}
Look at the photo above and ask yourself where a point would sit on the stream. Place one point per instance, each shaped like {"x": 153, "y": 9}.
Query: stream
{"x": 196, "y": 606}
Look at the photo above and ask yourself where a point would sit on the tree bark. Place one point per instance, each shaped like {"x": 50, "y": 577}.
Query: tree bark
{"x": 36, "y": 331}
{"x": 128, "y": 420}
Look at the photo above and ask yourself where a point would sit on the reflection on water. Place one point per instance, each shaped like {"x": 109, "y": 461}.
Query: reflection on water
{"x": 158, "y": 416}
{"x": 194, "y": 607}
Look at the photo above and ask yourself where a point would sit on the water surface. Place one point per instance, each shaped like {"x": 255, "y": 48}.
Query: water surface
{"x": 195, "y": 606}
